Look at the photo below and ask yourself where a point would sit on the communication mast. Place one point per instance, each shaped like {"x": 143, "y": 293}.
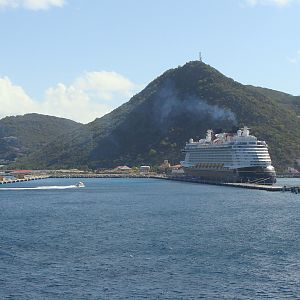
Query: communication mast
{"x": 200, "y": 56}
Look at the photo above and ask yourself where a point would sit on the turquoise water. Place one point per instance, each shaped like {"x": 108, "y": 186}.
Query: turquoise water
{"x": 148, "y": 239}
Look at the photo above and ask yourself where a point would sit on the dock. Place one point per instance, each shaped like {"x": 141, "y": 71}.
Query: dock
{"x": 29, "y": 178}
{"x": 269, "y": 188}
{"x": 252, "y": 186}
{"x": 128, "y": 175}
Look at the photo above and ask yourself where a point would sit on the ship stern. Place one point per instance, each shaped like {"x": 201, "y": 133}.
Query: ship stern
{"x": 257, "y": 175}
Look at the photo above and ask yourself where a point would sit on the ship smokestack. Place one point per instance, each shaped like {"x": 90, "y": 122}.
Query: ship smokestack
{"x": 209, "y": 135}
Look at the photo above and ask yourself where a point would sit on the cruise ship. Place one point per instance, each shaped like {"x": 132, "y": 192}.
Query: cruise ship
{"x": 227, "y": 157}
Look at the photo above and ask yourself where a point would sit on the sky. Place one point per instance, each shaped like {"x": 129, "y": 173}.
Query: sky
{"x": 80, "y": 59}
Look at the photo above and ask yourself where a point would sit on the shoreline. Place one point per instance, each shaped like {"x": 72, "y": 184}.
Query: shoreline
{"x": 269, "y": 188}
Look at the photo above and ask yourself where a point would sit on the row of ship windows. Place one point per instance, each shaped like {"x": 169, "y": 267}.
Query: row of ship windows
{"x": 252, "y": 145}
{"x": 226, "y": 153}
{"x": 209, "y": 146}
{"x": 220, "y": 156}
{"x": 235, "y": 163}
{"x": 229, "y": 150}
{"x": 251, "y": 154}
{"x": 208, "y": 165}
{"x": 254, "y": 154}
{"x": 229, "y": 156}
{"x": 228, "y": 160}
{"x": 234, "y": 155}
{"x": 251, "y": 150}
{"x": 221, "y": 146}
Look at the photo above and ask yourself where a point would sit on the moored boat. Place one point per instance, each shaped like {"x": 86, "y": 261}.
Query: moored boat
{"x": 227, "y": 157}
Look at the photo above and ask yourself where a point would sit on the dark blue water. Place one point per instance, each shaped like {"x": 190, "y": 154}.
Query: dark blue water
{"x": 148, "y": 239}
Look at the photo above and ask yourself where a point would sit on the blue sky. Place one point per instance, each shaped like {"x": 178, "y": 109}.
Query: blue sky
{"x": 82, "y": 58}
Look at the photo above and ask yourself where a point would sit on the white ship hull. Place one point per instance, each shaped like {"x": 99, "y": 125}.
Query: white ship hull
{"x": 229, "y": 158}
{"x": 257, "y": 175}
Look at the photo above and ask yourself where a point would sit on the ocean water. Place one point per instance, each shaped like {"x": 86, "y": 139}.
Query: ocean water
{"x": 148, "y": 239}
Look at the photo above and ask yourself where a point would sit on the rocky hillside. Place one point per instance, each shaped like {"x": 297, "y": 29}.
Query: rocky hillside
{"x": 182, "y": 103}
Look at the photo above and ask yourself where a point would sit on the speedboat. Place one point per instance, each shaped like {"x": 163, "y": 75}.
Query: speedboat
{"x": 80, "y": 184}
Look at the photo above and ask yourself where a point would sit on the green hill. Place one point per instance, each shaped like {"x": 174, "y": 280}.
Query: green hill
{"x": 182, "y": 103}
{"x": 286, "y": 100}
{"x": 22, "y": 135}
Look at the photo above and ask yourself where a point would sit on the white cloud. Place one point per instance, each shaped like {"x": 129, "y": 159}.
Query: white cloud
{"x": 13, "y": 99}
{"x": 272, "y": 2}
{"x": 106, "y": 85}
{"x": 88, "y": 97}
{"x": 31, "y": 4}
{"x": 295, "y": 59}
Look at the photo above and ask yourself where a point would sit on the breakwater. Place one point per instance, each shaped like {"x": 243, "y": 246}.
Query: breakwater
{"x": 29, "y": 178}
{"x": 252, "y": 186}
{"x": 99, "y": 176}
{"x": 269, "y": 188}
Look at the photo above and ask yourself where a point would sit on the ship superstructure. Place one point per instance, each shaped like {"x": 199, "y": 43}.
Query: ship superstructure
{"x": 228, "y": 157}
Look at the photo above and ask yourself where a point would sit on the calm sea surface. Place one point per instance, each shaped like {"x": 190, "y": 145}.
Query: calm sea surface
{"x": 148, "y": 239}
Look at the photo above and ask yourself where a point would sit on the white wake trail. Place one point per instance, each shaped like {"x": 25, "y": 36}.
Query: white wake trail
{"x": 51, "y": 187}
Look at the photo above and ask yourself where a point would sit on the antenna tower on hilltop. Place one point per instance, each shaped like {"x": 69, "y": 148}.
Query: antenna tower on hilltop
{"x": 200, "y": 56}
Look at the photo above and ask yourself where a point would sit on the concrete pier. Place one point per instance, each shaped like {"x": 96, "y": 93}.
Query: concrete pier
{"x": 269, "y": 188}
{"x": 29, "y": 178}
{"x": 99, "y": 176}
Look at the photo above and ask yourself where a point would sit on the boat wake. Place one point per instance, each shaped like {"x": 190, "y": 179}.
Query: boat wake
{"x": 51, "y": 187}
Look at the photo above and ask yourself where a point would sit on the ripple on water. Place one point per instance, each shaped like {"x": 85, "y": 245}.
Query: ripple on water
{"x": 148, "y": 239}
